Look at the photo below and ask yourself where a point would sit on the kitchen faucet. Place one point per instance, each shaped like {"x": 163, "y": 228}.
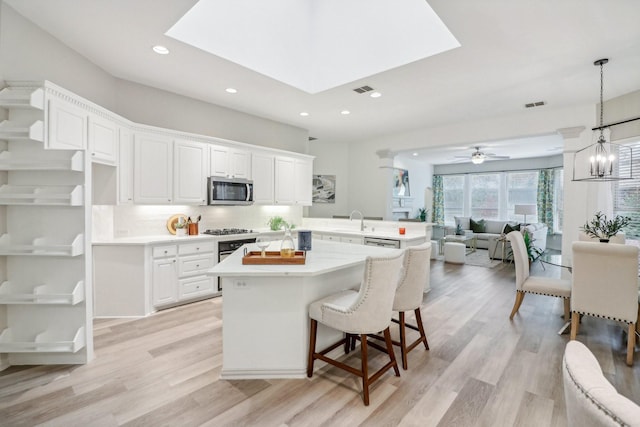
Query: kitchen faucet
{"x": 361, "y": 218}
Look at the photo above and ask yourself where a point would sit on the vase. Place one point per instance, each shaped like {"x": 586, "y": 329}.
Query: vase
{"x": 288, "y": 247}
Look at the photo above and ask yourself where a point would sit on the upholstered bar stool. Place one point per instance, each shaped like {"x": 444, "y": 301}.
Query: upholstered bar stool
{"x": 359, "y": 312}
{"x": 416, "y": 267}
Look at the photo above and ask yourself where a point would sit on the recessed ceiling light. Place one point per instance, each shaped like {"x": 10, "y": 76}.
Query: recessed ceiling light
{"x": 415, "y": 154}
{"x": 345, "y": 112}
{"x": 304, "y": 114}
{"x": 231, "y": 90}
{"x": 376, "y": 95}
{"x": 161, "y": 50}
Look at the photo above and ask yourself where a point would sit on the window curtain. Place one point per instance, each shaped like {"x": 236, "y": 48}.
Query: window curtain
{"x": 438, "y": 200}
{"x": 545, "y": 198}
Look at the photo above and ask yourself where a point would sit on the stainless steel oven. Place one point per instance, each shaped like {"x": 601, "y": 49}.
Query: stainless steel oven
{"x": 226, "y": 248}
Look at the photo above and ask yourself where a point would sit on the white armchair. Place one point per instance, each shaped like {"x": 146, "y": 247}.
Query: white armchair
{"x": 605, "y": 284}
{"x": 590, "y": 399}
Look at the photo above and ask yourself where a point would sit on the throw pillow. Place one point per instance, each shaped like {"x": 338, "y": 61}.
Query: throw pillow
{"x": 508, "y": 228}
{"x": 479, "y": 226}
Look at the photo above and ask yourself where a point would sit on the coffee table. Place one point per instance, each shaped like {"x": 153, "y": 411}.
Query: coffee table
{"x": 467, "y": 239}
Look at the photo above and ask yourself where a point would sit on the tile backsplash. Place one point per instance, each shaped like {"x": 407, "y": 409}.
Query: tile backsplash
{"x": 149, "y": 220}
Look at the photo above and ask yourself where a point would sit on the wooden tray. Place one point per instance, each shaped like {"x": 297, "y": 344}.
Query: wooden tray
{"x": 272, "y": 257}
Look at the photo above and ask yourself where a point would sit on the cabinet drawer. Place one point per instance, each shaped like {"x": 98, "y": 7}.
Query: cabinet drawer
{"x": 331, "y": 237}
{"x": 195, "y": 264}
{"x": 196, "y": 248}
{"x": 164, "y": 251}
{"x": 195, "y": 286}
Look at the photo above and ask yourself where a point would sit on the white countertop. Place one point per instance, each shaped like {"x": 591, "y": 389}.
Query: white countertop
{"x": 325, "y": 257}
{"x": 170, "y": 238}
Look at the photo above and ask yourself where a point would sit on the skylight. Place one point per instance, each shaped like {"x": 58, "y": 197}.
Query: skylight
{"x": 315, "y": 45}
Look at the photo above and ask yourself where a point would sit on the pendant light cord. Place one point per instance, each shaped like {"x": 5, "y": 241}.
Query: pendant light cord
{"x": 601, "y": 99}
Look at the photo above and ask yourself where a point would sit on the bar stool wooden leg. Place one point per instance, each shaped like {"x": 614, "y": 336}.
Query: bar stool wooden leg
{"x": 392, "y": 355}
{"x": 403, "y": 340}
{"x": 423, "y": 335}
{"x": 312, "y": 346}
{"x": 365, "y": 369}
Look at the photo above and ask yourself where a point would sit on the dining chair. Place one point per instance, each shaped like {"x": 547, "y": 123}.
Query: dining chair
{"x": 605, "y": 284}
{"x": 527, "y": 284}
{"x": 360, "y": 312}
{"x": 590, "y": 399}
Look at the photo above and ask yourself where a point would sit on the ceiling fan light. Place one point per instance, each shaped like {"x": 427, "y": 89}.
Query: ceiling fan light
{"x": 477, "y": 158}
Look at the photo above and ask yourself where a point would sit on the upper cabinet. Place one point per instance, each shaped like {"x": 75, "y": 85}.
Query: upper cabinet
{"x": 293, "y": 179}
{"x": 229, "y": 162}
{"x": 262, "y": 165}
{"x": 303, "y": 173}
{"x": 125, "y": 167}
{"x": 103, "y": 140}
{"x": 67, "y": 126}
{"x": 190, "y": 172}
{"x": 153, "y": 169}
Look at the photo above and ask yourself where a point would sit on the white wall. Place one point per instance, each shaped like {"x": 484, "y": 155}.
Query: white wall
{"x": 367, "y": 187}
{"x": 150, "y": 106}
{"x": 331, "y": 159}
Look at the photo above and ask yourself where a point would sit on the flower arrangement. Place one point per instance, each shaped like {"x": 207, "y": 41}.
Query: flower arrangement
{"x": 602, "y": 228}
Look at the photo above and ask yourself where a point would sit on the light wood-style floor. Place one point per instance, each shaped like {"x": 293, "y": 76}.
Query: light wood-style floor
{"x": 482, "y": 370}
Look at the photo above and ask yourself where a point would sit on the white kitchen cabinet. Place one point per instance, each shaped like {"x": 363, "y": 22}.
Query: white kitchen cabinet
{"x": 165, "y": 277}
{"x": 293, "y": 181}
{"x": 125, "y": 167}
{"x": 354, "y": 240}
{"x": 303, "y": 178}
{"x": 103, "y": 140}
{"x": 67, "y": 126}
{"x": 190, "y": 173}
{"x": 262, "y": 167}
{"x": 153, "y": 169}
{"x": 229, "y": 162}
{"x": 284, "y": 185}
{"x": 45, "y": 280}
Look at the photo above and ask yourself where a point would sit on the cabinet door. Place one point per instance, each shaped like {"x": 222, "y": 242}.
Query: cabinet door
{"x": 284, "y": 176}
{"x": 190, "y": 174}
{"x": 103, "y": 140}
{"x": 67, "y": 126}
{"x": 303, "y": 172}
{"x": 218, "y": 160}
{"x": 153, "y": 169}
{"x": 165, "y": 281}
{"x": 262, "y": 175}
{"x": 125, "y": 167}
{"x": 239, "y": 163}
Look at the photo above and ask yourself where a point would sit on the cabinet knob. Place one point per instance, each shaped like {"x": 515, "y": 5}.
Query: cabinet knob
{"x": 174, "y": 260}
{"x": 197, "y": 265}
{"x": 166, "y": 252}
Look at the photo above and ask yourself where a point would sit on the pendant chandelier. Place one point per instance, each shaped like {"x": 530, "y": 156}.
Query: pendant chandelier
{"x": 598, "y": 162}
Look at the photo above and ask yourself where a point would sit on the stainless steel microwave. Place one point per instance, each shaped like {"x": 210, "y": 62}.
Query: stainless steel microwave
{"x": 230, "y": 191}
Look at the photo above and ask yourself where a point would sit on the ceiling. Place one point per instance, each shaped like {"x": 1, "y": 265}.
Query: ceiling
{"x": 511, "y": 53}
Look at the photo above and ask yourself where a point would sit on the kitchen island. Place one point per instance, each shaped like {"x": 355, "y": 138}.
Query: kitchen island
{"x": 265, "y": 332}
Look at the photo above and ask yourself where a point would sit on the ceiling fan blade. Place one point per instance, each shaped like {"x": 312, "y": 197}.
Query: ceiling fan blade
{"x": 493, "y": 156}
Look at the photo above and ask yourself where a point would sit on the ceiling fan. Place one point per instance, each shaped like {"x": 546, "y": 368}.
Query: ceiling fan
{"x": 478, "y": 157}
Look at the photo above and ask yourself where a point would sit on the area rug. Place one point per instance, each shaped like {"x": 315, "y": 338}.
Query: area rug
{"x": 479, "y": 258}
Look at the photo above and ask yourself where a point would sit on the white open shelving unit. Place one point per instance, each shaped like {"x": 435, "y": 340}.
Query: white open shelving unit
{"x": 45, "y": 294}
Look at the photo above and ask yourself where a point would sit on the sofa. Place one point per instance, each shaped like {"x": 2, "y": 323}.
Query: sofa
{"x": 495, "y": 229}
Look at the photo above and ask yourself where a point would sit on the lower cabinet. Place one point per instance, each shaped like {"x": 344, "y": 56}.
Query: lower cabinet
{"x": 165, "y": 276}
{"x": 134, "y": 280}
{"x": 179, "y": 272}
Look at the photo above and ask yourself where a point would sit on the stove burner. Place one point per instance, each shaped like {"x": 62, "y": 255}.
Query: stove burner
{"x": 226, "y": 231}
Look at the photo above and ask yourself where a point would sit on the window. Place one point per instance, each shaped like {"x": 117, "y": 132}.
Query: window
{"x": 485, "y": 195}
{"x": 522, "y": 189}
{"x": 627, "y": 192}
{"x": 453, "y": 189}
